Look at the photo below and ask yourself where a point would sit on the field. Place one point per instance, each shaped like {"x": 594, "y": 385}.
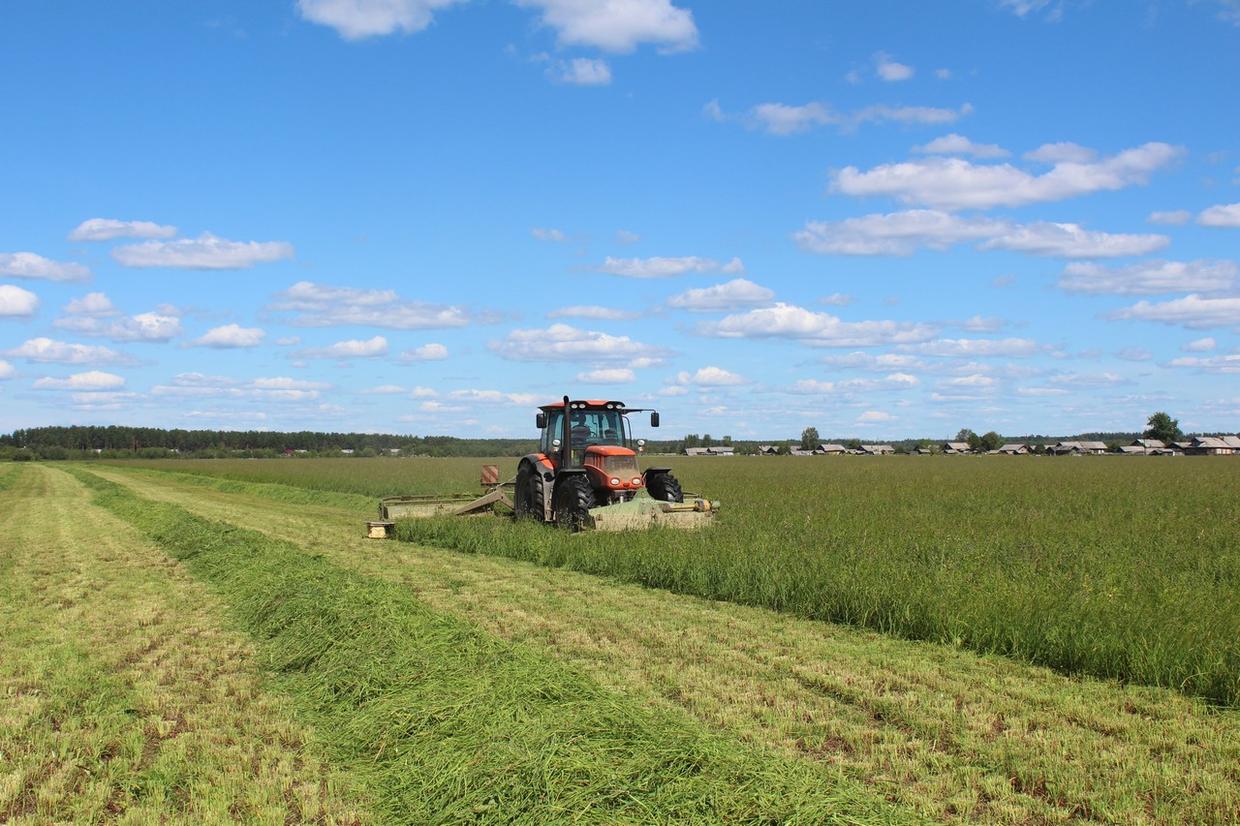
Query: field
{"x": 859, "y": 640}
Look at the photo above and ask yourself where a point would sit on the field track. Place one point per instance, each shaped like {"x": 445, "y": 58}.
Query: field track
{"x": 942, "y": 732}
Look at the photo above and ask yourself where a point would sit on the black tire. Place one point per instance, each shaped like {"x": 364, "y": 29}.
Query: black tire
{"x": 573, "y": 499}
{"x": 527, "y": 494}
{"x": 665, "y": 488}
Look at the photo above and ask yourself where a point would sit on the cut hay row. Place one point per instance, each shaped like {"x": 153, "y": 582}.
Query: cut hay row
{"x": 952, "y": 734}
{"x": 448, "y": 724}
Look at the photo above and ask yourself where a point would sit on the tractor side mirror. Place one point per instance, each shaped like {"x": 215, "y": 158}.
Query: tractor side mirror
{"x": 540, "y": 421}
{"x": 654, "y": 418}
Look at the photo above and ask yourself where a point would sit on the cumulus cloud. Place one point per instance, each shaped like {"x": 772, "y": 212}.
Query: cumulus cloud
{"x": 91, "y": 304}
{"x": 788, "y": 119}
{"x": 50, "y": 351}
{"x": 150, "y": 327}
{"x": 607, "y": 375}
{"x": 815, "y": 387}
{"x": 31, "y": 265}
{"x": 731, "y": 295}
{"x": 385, "y": 390}
{"x": 624, "y": 236}
{"x": 1223, "y": 215}
{"x": 663, "y": 267}
{"x": 618, "y": 27}
{"x": 593, "y": 311}
{"x": 1061, "y": 152}
{"x": 350, "y": 348}
{"x": 548, "y": 234}
{"x": 426, "y": 352}
{"x": 6, "y": 370}
{"x": 581, "y": 71}
{"x": 954, "y": 183}
{"x": 1175, "y": 217}
{"x": 709, "y": 377}
{"x": 206, "y": 252}
{"x": 1073, "y": 241}
{"x": 16, "y": 302}
{"x": 880, "y": 362}
{"x": 105, "y": 229}
{"x": 836, "y": 300}
{"x": 875, "y": 417}
{"x": 889, "y": 70}
{"x": 275, "y": 388}
{"x": 976, "y": 347}
{"x": 954, "y": 144}
{"x": 319, "y": 305}
{"x": 816, "y": 329}
{"x": 1200, "y": 345}
{"x": 495, "y": 397}
{"x": 1212, "y": 364}
{"x": 1192, "y": 311}
{"x": 561, "y": 342}
{"x": 357, "y": 19}
{"x": 230, "y": 336}
{"x": 90, "y": 380}
{"x": 1150, "y": 277}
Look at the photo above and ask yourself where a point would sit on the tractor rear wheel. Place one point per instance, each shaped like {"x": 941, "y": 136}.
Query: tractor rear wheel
{"x": 665, "y": 488}
{"x": 573, "y": 499}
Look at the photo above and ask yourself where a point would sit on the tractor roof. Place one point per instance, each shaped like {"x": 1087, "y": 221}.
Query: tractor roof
{"x": 585, "y": 403}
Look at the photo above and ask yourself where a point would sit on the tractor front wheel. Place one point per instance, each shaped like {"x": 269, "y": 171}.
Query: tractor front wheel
{"x": 665, "y": 488}
{"x": 524, "y": 504}
{"x": 573, "y": 499}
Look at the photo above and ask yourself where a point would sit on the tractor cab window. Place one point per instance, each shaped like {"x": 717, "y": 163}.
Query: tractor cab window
{"x": 586, "y": 428}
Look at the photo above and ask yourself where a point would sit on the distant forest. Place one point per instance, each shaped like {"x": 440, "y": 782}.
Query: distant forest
{"x": 112, "y": 442}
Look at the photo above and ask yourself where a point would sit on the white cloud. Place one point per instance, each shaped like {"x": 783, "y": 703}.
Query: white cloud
{"x": 954, "y": 144}
{"x": 902, "y": 379}
{"x": 318, "y": 305}
{"x": 709, "y": 377}
{"x": 105, "y": 229}
{"x": 593, "y": 311}
{"x": 92, "y": 304}
{"x": 1074, "y": 241}
{"x": 879, "y": 362}
{"x": 548, "y": 234}
{"x": 561, "y": 342}
{"x": 943, "y": 74}
{"x": 618, "y": 26}
{"x": 982, "y": 324}
{"x": 1214, "y": 364}
{"x": 607, "y": 375}
{"x": 1088, "y": 379}
{"x": 787, "y": 119}
{"x": 495, "y": 397}
{"x": 30, "y": 265}
{"x": 889, "y": 70}
{"x": 151, "y": 327}
{"x": 423, "y": 393}
{"x": 954, "y": 183}
{"x": 276, "y": 388}
{"x": 674, "y": 390}
{"x": 624, "y": 236}
{"x": 16, "y": 302}
{"x": 50, "y": 351}
{"x": 581, "y": 71}
{"x": 1200, "y": 345}
{"x": 976, "y": 347}
{"x": 730, "y": 295}
{"x": 1222, "y": 215}
{"x": 895, "y": 233}
{"x": 1040, "y": 392}
{"x": 288, "y": 341}
{"x": 385, "y": 390}
{"x": 1061, "y": 152}
{"x": 1134, "y": 354}
{"x": 663, "y": 267}
{"x": 874, "y": 417}
{"x": 356, "y": 19}
{"x": 230, "y": 336}
{"x": 350, "y": 348}
{"x": 206, "y": 252}
{"x": 836, "y": 300}
{"x": 1174, "y": 217}
{"x": 6, "y": 370}
{"x": 814, "y": 328}
{"x": 1191, "y": 311}
{"x": 426, "y": 352}
{"x": 90, "y": 380}
{"x": 1149, "y": 277}
{"x": 814, "y": 387}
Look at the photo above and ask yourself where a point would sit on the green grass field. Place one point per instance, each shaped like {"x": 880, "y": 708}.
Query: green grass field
{"x": 183, "y": 647}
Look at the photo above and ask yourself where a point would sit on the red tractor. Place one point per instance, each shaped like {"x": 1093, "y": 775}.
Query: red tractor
{"x": 587, "y": 460}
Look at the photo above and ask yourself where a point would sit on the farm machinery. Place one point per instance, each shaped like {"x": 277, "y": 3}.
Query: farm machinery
{"x": 584, "y": 476}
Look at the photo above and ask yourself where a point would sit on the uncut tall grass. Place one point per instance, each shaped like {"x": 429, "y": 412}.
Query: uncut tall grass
{"x": 1125, "y": 567}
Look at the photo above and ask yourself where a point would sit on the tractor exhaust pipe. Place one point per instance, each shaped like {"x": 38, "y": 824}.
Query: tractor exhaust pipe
{"x": 566, "y": 445}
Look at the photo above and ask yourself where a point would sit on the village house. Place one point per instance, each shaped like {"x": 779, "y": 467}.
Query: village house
{"x": 831, "y": 450}
{"x": 768, "y": 450}
{"x": 1079, "y": 448}
{"x": 1016, "y": 449}
{"x": 877, "y": 450}
{"x": 719, "y": 450}
{"x": 1213, "y": 446}
{"x": 955, "y": 448}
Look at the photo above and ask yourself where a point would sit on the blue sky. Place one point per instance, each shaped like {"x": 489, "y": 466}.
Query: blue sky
{"x": 427, "y": 216}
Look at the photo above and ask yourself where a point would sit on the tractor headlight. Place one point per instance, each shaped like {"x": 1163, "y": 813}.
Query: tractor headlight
{"x": 615, "y": 482}
{"x": 637, "y": 481}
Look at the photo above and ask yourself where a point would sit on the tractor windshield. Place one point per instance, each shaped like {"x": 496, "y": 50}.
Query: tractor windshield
{"x": 588, "y": 427}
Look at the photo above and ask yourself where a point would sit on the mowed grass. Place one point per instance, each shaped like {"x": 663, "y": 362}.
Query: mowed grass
{"x": 446, "y": 723}
{"x": 952, "y": 734}
{"x": 1118, "y": 567}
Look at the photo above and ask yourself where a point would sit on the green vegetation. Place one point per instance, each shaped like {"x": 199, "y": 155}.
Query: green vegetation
{"x": 951, "y": 734}
{"x": 1128, "y": 570}
{"x": 445, "y": 723}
